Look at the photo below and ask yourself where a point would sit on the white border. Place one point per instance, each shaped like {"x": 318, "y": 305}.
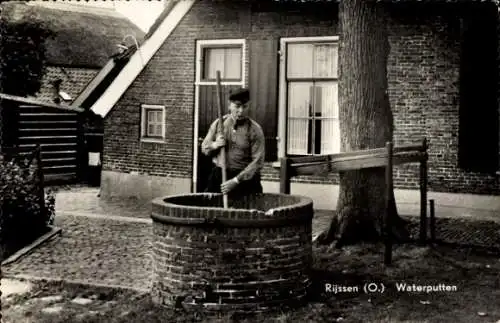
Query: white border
{"x": 140, "y": 58}
{"x": 200, "y": 44}
{"x": 143, "y": 123}
{"x": 282, "y": 97}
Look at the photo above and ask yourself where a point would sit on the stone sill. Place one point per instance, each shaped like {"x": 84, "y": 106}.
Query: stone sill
{"x": 277, "y": 164}
{"x": 155, "y": 141}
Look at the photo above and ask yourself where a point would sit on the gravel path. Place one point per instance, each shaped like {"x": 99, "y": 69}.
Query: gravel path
{"x": 92, "y": 250}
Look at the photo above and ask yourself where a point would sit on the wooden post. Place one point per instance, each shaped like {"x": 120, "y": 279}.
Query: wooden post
{"x": 285, "y": 175}
{"x": 432, "y": 221}
{"x": 423, "y": 195}
{"x": 40, "y": 179}
{"x": 388, "y": 215}
{"x": 221, "y": 131}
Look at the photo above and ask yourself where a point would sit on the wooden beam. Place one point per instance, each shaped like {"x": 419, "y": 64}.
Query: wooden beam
{"x": 94, "y": 83}
{"x": 423, "y": 196}
{"x": 285, "y": 175}
{"x": 407, "y": 148}
{"x": 33, "y": 101}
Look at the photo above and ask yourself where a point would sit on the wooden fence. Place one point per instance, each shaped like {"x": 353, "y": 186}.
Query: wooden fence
{"x": 371, "y": 158}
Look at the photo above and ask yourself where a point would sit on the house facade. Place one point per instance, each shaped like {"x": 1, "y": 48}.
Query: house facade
{"x": 82, "y": 41}
{"x": 440, "y": 88}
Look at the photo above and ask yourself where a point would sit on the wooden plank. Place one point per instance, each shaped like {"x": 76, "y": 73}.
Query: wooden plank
{"x": 408, "y": 148}
{"x": 370, "y": 158}
{"x": 354, "y": 164}
{"x": 374, "y": 151}
{"x": 263, "y": 90}
{"x": 309, "y": 159}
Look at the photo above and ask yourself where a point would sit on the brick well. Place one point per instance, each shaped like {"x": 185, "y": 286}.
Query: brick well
{"x": 252, "y": 256}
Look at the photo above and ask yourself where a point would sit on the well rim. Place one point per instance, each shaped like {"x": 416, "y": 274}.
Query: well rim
{"x": 228, "y": 217}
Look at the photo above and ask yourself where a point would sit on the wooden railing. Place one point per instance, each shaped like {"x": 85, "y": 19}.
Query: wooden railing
{"x": 371, "y": 158}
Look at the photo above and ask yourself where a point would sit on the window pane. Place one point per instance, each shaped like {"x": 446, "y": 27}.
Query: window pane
{"x": 297, "y": 138}
{"x": 330, "y": 136}
{"x": 232, "y": 66}
{"x": 299, "y": 105}
{"x": 151, "y": 130}
{"x": 150, "y": 114}
{"x": 299, "y": 61}
{"x": 299, "y": 99}
{"x": 325, "y": 60}
{"x": 226, "y": 60}
{"x": 326, "y": 99}
{"x": 158, "y": 131}
{"x": 158, "y": 116}
{"x": 214, "y": 60}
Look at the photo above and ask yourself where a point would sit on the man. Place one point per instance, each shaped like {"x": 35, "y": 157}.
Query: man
{"x": 243, "y": 140}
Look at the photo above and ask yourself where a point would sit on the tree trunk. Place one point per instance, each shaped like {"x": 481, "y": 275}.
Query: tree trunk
{"x": 366, "y": 122}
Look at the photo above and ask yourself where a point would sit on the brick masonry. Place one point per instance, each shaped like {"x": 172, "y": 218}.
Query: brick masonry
{"x": 1, "y": 126}
{"x": 227, "y": 267}
{"x": 423, "y": 72}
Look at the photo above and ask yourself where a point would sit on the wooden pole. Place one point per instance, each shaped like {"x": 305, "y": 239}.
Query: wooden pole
{"x": 388, "y": 215}
{"x": 221, "y": 132}
{"x": 285, "y": 175}
{"x": 433, "y": 221}
{"x": 423, "y": 195}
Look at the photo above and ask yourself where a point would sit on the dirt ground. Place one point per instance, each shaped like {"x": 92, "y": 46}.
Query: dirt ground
{"x": 442, "y": 284}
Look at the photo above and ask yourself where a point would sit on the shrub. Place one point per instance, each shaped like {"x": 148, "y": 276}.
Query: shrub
{"x": 50, "y": 206}
{"x": 25, "y": 210}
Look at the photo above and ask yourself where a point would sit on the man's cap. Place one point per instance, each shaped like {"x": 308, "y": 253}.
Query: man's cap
{"x": 241, "y": 95}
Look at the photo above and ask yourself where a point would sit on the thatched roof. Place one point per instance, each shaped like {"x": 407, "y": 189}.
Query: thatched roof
{"x": 82, "y": 37}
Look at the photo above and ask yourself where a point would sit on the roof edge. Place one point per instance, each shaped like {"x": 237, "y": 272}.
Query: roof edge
{"x": 34, "y": 101}
{"x": 172, "y": 15}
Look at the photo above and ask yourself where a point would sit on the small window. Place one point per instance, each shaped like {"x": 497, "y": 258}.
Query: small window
{"x": 225, "y": 58}
{"x": 153, "y": 122}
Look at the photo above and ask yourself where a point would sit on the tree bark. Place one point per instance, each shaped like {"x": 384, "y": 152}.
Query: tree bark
{"x": 366, "y": 122}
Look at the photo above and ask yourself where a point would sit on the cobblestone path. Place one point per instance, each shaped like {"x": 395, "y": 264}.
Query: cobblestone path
{"x": 92, "y": 250}
{"x": 111, "y": 251}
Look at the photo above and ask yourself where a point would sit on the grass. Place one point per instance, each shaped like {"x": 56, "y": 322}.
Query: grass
{"x": 475, "y": 273}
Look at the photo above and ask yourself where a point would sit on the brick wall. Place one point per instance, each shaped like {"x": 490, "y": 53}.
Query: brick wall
{"x": 1, "y": 126}
{"x": 253, "y": 264}
{"x": 423, "y": 76}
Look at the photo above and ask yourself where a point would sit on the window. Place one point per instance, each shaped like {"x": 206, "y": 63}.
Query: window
{"x": 153, "y": 123}
{"x": 226, "y": 56}
{"x": 311, "y": 87}
{"x": 225, "y": 59}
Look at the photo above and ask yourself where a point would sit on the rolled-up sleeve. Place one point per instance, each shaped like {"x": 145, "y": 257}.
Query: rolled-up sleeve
{"x": 258, "y": 154}
{"x": 206, "y": 145}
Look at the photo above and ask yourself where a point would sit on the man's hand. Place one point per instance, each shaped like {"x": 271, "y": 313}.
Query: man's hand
{"x": 229, "y": 185}
{"x": 219, "y": 142}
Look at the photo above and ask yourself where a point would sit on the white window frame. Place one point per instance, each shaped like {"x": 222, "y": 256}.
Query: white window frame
{"x": 144, "y": 108}
{"x": 282, "y": 94}
{"x": 200, "y": 45}
{"x": 210, "y": 43}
